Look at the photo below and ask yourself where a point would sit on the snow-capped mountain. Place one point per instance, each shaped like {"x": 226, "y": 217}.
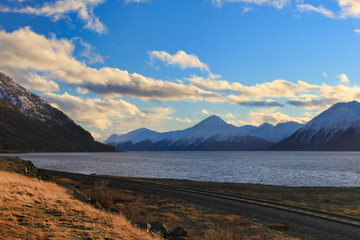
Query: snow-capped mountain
{"x": 273, "y": 133}
{"x": 28, "y": 123}
{"x": 31, "y": 105}
{"x": 212, "y": 133}
{"x": 136, "y": 136}
{"x": 337, "y": 128}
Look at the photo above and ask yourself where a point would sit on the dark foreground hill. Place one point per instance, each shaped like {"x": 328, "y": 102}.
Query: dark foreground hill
{"x": 28, "y": 123}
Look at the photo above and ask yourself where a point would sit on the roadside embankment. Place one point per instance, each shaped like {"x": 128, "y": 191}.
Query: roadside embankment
{"x": 31, "y": 208}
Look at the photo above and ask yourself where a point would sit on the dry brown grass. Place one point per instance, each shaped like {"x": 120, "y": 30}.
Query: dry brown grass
{"x": 341, "y": 200}
{"x": 202, "y": 223}
{"x": 34, "y": 209}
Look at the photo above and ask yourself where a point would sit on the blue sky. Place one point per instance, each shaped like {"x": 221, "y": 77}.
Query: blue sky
{"x": 114, "y": 66}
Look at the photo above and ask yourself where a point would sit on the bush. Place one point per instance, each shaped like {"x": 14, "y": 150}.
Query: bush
{"x": 103, "y": 194}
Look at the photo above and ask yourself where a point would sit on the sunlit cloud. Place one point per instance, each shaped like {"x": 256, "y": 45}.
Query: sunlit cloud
{"x": 89, "y": 54}
{"x": 103, "y": 114}
{"x": 31, "y": 80}
{"x": 25, "y": 50}
{"x": 348, "y": 9}
{"x": 275, "y": 3}
{"x": 204, "y": 111}
{"x": 62, "y": 8}
{"x": 343, "y": 78}
{"x": 212, "y": 83}
{"x": 258, "y": 118}
{"x": 183, "y": 120}
{"x": 320, "y": 9}
{"x": 180, "y": 59}
{"x": 136, "y": 1}
{"x": 95, "y": 135}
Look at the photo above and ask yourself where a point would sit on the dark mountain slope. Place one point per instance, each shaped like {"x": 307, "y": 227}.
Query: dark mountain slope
{"x": 28, "y": 123}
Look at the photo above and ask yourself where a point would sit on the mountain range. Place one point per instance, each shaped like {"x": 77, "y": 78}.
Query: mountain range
{"x": 335, "y": 129}
{"x": 211, "y": 134}
{"x": 28, "y": 123}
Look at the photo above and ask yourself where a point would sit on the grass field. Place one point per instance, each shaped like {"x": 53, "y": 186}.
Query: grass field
{"x": 35, "y": 209}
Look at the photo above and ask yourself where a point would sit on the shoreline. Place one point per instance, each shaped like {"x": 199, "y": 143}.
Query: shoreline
{"x": 341, "y": 200}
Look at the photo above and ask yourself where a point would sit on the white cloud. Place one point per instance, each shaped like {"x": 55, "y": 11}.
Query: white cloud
{"x": 89, "y": 54}
{"x": 31, "y": 80}
{"x": 95, "y": 135}
{"x": 348, "y": 8}
{"x": 229, "y": 115}
{"x": 325, "y": 74}
{"x": 184, "y": 120}
{"x": 136, "y": 1}
{"x": 357, "y": 30}
{"x": 237, "y": 122}
{"x": 24, "y": 50}
{"x": 180, "y": 59}
{"x": 204, "y": 111}
{"x": 212, "y": 83}
{"x": 343, "y": 78}
{"x": 258, "y": 118}
{"x": 275, "y": 3}
{"x": 60, "y": 8}
{"x": 102, "y": 114}
{"x": 275, "y": 89}
{"x": 320, "y": 9}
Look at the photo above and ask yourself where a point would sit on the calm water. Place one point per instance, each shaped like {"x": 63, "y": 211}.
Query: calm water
{"x": 279, "y": 168}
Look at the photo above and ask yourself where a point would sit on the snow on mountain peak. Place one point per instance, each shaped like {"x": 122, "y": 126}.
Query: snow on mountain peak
{"x": 212, "y": 121}
{"x": 340, "y": 116}
{"x": 353, "y": 105}
{"x": 26, "y": 102}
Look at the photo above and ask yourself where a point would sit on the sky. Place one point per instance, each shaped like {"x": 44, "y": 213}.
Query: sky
{"x": 117, "y": 65}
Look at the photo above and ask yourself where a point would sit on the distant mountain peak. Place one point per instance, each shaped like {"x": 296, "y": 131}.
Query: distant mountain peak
{"x": 266, "y": 125}
{"x": 339, "y": 116}
{"x": 212, "y": 121}
{"x": 337, "y": 128}
{"x": 141, "y": 130}
{"x": 213, "y": 118}
{"x": 353, "y": 105}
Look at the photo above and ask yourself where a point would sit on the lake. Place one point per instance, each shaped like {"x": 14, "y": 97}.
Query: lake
{"x": 277, "y": 168}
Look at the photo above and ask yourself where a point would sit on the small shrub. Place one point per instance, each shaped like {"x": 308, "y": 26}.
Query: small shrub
{"x": 103, "y": 194}
{"x": 136, "y": 214}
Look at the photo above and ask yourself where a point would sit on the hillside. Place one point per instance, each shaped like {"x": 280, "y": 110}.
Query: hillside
{"x": 34, "y": 209}
{"x": 29, "y": 124}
